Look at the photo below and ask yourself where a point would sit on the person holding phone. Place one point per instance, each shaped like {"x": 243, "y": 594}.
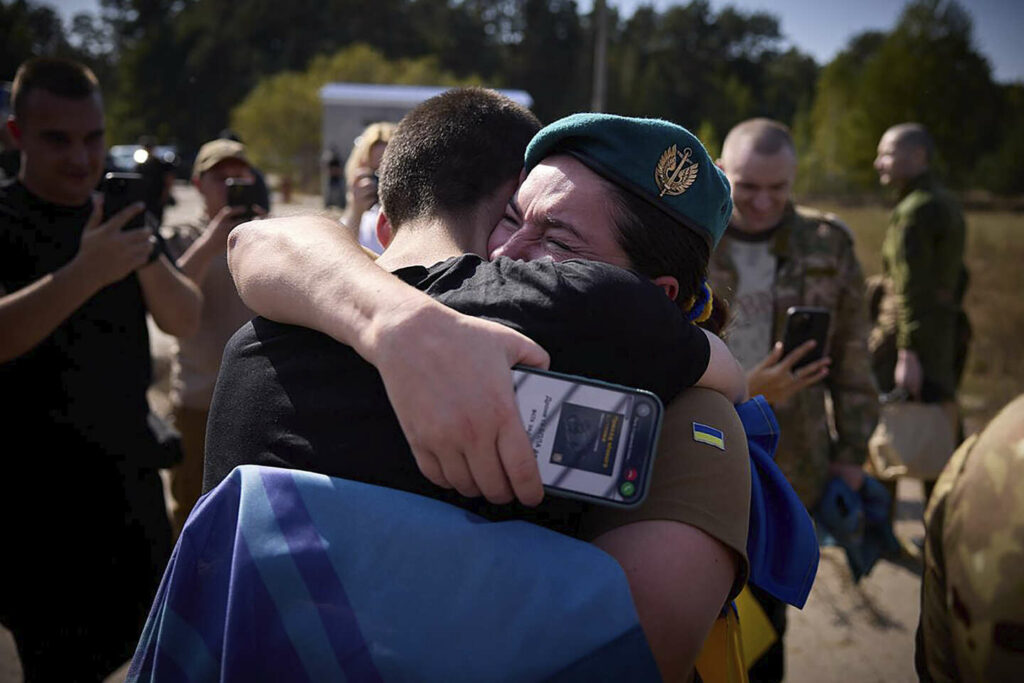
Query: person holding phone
{"x": 775, "y": 256}
{"x": 223, "y": 176}
{"x": 361, "y": 199}
{"x": 85, "y": 531}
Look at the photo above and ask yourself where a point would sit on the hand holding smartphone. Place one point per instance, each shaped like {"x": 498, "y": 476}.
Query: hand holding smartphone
{"x": 804, "y": 323}
{"x": 121, "y": 190}
{"x": 242, "y": 193}
{"x": 593, "y": 441}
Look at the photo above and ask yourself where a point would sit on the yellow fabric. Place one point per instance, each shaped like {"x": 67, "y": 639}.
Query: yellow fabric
{"x": 721, "y": 659}
{"x": 730, "y": 650}
{"x": 757, "y": 632}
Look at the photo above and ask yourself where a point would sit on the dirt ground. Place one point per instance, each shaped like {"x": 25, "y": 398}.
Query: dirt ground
{"x": 846, "y": 632}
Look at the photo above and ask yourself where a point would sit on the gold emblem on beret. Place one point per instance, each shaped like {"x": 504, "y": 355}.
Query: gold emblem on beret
{"x": 672, "y": 174}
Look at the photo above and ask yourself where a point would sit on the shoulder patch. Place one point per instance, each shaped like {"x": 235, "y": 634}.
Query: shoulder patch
{"x": 709, "y": 435}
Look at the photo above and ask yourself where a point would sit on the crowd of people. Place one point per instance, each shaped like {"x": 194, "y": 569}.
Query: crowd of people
{"x": 610, "y": 247}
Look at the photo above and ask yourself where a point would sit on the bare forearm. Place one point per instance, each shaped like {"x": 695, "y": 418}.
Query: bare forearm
{"x": 195, "y": 262}
{"x": 679, "y": 578}
{"x": 724, "y": 374}
{"x": 173, "y": 300}
{"x": 30, "y": 314}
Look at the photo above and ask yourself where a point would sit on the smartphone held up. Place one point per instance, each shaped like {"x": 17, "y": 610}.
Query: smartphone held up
{"x": 803, "y": 324}
{"x": 593, "y": 441}
{"x": 243, "y": 193}
{"x": 121, "y": 190}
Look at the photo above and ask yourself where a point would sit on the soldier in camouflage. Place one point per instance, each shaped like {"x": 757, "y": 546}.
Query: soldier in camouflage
{"x": 972, "y": 593}
{"x": 802, "y": 257}
{"x": 919, "y": 339}
{"x": 775, "y": 255}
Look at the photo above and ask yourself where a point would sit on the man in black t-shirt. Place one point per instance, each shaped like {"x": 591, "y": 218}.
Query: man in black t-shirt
{"x": 85, "y": 532}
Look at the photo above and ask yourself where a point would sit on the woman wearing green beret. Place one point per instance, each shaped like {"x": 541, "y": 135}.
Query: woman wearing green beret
{"x": 637, "y": 193}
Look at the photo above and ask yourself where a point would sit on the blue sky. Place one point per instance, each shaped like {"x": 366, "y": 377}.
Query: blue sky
{"x": 823, "y": 27}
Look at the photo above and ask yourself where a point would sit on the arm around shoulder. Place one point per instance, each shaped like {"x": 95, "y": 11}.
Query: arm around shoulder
{"x": 724, "y": 373}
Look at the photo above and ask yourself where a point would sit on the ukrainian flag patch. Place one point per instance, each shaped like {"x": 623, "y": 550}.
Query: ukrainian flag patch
{"x": 709, "y": 435}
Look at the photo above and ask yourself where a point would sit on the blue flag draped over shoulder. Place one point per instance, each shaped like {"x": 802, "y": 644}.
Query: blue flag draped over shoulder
{"x": 781, "y": 542}
{"x": 282, "y": 575}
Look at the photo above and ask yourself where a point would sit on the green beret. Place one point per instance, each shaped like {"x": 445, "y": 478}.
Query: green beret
{"x": 656, "y": 160}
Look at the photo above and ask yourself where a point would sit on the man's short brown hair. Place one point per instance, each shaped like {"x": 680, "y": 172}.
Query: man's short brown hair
{"x": 451, "y": 152}
{"x": 768, "y": 136}
{"x": 61, "y": 77}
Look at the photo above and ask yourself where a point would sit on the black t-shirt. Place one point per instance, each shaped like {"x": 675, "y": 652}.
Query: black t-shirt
{"x": 89, "y": 376}
{"x": 74, "y": 423}
{"x": 291, "y": 397}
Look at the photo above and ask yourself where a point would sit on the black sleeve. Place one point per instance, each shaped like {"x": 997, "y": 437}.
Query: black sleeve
{"x": 594, "y": 319}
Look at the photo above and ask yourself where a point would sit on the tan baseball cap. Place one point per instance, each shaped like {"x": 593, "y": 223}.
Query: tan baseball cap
{"x": 216, "y": 151}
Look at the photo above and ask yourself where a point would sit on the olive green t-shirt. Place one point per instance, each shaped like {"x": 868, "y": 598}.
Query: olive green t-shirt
{"x": 694, "y": 483}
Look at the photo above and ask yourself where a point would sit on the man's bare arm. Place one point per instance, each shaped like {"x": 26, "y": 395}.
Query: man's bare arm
{"x": 724, "y": 373}
{"x": 679, "y": 577}
{"x": 446, "y": 374}
{"x": 106, "y": 254}
{"x": 173, "y": 300}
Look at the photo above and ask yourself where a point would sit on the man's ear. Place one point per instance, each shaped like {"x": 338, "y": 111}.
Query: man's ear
{"x": 669, "y": 284}
{"x": 15, "y": 131}
{"x": 385, "y": 233}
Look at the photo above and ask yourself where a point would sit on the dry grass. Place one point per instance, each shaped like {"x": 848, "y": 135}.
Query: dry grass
{"x": 995, "y": 258}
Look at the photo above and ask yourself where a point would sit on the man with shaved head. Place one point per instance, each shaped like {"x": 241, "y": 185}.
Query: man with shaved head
{"x": 919, "y": 339}
{"x": 775, "y": 255}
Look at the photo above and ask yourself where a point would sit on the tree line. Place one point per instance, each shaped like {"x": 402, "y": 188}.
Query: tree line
{"x": 183, "y": 69}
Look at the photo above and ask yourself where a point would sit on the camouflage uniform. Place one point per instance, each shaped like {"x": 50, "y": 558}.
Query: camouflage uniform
{"x": 817, "y": 267}
{"x": 972, "y": 593}
{"x": 923, "y": 280}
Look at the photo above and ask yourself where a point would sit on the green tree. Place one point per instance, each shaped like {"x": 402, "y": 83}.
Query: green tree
{"x": 31, "y": 30}
{"x": 925, "y": 70}
{"x": 281, "y": 118}
{"x": 694, "y": 66}
{"x": 1002, "y": 171}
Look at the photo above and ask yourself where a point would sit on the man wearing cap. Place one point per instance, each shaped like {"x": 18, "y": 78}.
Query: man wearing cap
{"x": 199, "y": 248}
{"x": 775, "y": 255}
{"x": 590, "y": 320}
{"x": 85, "y": 530}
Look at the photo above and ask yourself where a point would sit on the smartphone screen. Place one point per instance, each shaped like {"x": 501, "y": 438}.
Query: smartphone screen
{"x": 242, "y": 192}
{"x": 802, "y": 324}
{"x": 121, "y": 190}
{"x": 593, "y": 441}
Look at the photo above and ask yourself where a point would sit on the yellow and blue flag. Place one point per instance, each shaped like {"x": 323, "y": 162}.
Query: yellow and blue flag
{"x": 706, "y": 434}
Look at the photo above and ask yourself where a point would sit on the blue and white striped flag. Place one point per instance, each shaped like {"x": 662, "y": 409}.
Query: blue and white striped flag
{"x": 283, "y": 575}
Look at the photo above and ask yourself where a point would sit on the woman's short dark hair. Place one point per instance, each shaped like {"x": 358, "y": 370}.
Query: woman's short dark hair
{"x": 658, "y": 245}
